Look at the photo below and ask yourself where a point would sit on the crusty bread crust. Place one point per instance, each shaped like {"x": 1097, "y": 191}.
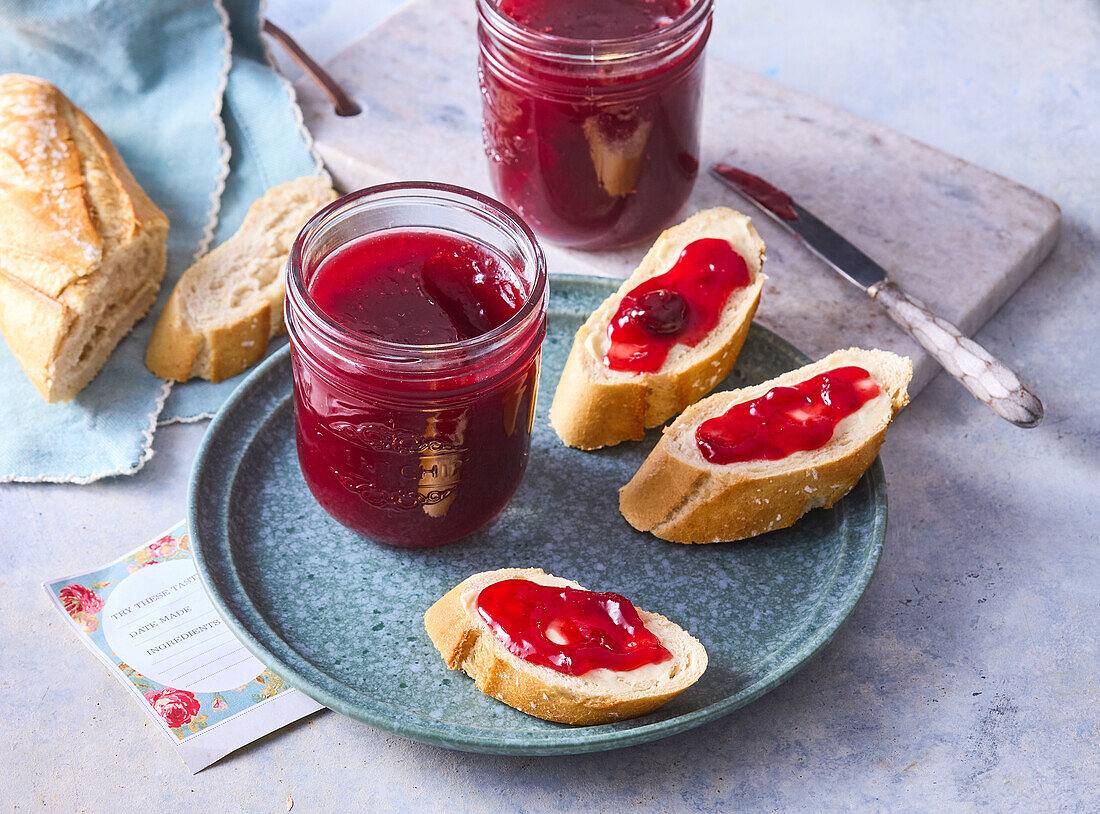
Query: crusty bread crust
{"x": 227, "y": 306}
{"x": 82, "y": 247}
{"x": 467, "y": 644}
{"x": 678, "y": 496}
{"x": 595, "y": 407}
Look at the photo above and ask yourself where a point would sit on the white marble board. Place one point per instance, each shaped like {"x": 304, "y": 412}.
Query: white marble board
{"x": 961, "y": 238}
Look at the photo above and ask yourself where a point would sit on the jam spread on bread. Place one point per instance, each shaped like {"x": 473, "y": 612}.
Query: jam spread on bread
{"x": 784, "y": 420}
{"x": 417, "y": 288}
{"x": 568, "y": 629}
{"x": 681, "y": 306}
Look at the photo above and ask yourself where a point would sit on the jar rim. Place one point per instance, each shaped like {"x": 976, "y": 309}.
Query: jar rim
{"x": 384, "y": 350}
{"x": 611, "y": 50}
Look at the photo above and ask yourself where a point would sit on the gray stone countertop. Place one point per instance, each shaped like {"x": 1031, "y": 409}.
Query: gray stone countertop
{"x": 968, "y": 676}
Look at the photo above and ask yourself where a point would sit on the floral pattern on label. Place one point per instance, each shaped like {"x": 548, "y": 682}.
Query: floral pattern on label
{"x": 183, "y": 712}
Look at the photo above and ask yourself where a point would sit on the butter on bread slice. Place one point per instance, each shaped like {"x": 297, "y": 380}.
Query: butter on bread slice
{"x": 595, "y": 406}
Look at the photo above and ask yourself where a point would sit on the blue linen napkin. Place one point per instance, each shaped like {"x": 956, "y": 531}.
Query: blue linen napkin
{"x": 269, "y": 146}
{"x": 153, "y": 76}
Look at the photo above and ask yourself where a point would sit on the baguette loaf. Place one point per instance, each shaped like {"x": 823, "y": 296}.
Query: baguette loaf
{"x": 598, "y": 696}
{"x": 82, "y": 247}
{"x": 228, "y": 305}
{"x": 679, "y": 496}
{"x": 595, "y": 406}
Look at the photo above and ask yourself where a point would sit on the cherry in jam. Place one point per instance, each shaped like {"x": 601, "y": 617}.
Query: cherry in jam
{"x": 593, "y": 153}
{"x": 660, "y": 311}
{"x": 786, "y": 419}
{"x": 416, "y": 288}
{"x": 415, "y": 459}
{"x": 566, "y": 629}
{"x": 681, "y": 306}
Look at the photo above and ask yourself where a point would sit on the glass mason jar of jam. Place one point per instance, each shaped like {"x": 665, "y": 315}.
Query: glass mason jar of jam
{"x": 592, "y": 112}
{"x": 416, "y": 314}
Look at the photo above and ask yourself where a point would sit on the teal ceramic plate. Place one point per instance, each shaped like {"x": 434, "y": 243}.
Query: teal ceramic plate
{"x": 342, "y": 618}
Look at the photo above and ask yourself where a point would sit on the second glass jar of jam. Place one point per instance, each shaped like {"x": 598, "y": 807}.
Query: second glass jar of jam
{"x": 592, "y": 112}
{"x": 416, "y": 314}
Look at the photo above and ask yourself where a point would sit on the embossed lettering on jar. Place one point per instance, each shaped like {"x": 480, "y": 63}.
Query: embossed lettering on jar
{"x": 416, "y": 358}
{"x": 592, "y": 112}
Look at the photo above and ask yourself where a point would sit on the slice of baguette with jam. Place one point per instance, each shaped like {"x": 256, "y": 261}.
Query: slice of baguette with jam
{"x": 595, "y": 406}
{"x": 680, "y": 496}
{"x": 599, "y": 696}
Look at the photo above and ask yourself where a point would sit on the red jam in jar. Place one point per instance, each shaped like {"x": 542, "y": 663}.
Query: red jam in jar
{"x": 592, "y": 112}
{"x": 567, "y": 629}
{"x": 416, "y": 288}
{"x": 416, "y": 314}
{"x": 681, "y": 306}
{"x": 786, "y": 419}
{"x": 594, "y": 19}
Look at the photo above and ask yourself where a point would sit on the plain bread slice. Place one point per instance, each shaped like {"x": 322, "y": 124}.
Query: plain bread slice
{"x": 227, "y": 306}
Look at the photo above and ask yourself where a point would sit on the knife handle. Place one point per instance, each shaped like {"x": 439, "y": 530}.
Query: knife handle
{"x": 985, "y": 377}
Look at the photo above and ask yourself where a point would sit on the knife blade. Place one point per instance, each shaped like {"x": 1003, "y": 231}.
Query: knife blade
{"x": 988, "y": 380}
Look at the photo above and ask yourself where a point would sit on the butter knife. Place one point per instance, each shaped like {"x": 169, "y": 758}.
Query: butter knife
{"x": 989, "y": 380}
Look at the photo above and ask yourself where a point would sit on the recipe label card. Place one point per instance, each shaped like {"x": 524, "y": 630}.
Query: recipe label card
{"x": 148, "y": 619}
